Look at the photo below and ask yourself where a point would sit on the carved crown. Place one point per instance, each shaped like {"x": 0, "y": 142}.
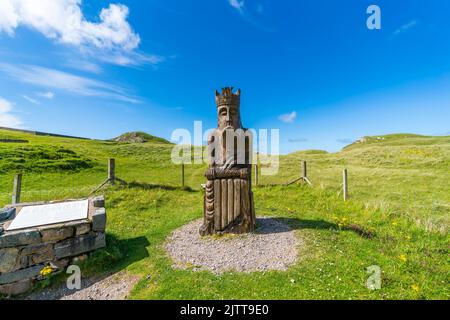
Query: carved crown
{"x": 228, "y": 97}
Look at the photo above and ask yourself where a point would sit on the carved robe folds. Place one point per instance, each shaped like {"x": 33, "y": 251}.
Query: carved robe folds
{"x": 229, "y": 206}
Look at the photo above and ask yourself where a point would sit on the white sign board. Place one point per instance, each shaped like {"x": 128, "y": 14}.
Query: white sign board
{"x": 41, "y": 215}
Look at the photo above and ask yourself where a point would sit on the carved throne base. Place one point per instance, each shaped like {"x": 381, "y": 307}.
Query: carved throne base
{"x": 228, "y": 207}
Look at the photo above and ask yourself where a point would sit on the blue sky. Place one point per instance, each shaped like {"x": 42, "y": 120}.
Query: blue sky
{"x": 309, "y": 68}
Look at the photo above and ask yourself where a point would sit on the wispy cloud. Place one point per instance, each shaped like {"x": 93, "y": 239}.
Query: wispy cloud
{"x": 405, "y": 27}
{"x": 295, "y": 140}
{"x": 83, "y": 65}
{"x": 241, "y": 7}
{"x": 34, "y": 101}
{"x": 238, "y": 5}
{"x": 127, "y": 59}
{"x": 288, "y": 117}
{"x": 6, "y": 118}
{"x": 47, "y": 95}
{"x": 345, "y": 140}
{"x": 58, "y": 80}
{"x": 260, "y": 9}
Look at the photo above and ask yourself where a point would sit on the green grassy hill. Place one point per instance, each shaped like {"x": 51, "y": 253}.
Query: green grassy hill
{"x": 398, "y": 215}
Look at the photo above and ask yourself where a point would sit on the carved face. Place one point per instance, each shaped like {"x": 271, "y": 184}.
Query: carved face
{"x": 228, "y": 117}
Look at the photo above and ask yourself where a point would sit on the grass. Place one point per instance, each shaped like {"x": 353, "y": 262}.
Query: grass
{"x": 397, "y": 218}
{"x": 38, "y": 158}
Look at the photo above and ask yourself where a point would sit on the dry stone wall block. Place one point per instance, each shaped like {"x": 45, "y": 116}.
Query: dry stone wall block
{"x": 36, "y": 254}
{"x": 98, "y": 202}
{"x": 99, "y": 220}
{"x": 15, "y": 276}
{"x": 56, "y": 234}
{"x": 78, "y": 245}
{"x": 8, "y": 259}
{"x": 12, "y": 289}
{"x": 82, "y": 229}
{"x": 19, "y": 238}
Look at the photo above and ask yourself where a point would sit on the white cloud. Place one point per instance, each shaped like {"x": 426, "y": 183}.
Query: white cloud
{"x": 405, "y": 27}
{"x": 59, "y": 80}
{"x": 289, "y": 117}
{"x": 64, "y": 21}
{"x": 239, "y": 5}
{"x": 30, "y": 99}
{"x": 6, "y": 118}
{"x": 47, "y": 95}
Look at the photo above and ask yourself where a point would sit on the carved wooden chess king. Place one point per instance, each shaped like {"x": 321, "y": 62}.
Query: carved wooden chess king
{"x": 228, "y": 201}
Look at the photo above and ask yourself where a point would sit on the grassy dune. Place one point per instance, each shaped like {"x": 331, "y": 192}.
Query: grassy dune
{"x": 405, "y": 175}
{"x": 397, "y": 217}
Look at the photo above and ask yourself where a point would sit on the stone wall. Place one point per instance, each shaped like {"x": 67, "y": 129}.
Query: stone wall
{"x": 24, "y": 253}
{"x": 39, "y": 133}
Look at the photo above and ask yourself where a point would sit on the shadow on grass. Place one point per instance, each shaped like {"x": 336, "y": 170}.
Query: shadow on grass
{"x": 296, "y": 224}
{"x": 151, "y": 186}
{"x": 118, "y": 254}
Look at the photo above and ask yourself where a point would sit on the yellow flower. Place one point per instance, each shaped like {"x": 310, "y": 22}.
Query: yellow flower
{"x": 402, "y": 257}
{"x": 415, "y": 288}
{"x": 46, "y": 271}
{"x": 408, "y": 237}
{"x": 394, "y": 223}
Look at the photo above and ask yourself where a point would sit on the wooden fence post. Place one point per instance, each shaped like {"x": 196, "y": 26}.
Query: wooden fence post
{"x": 256, "y": 169}
{"x": 17, "y": 189}
{"x": 112, "y": 171}
{"x": 111, "y": 176}
{"x": 304, "y": 170}
{"x": 345, "y": 184}
{"x": 182, "y": 174}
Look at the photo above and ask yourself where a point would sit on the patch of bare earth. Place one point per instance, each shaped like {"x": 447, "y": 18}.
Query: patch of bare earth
{"x": 112, "y": 287}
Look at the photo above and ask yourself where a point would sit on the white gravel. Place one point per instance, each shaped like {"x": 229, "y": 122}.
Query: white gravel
{"x": 273, "y": 246}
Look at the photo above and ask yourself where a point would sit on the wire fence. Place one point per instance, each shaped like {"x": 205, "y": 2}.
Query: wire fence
{"x": 43, "y": 188}
{"x": 50, "y": 186}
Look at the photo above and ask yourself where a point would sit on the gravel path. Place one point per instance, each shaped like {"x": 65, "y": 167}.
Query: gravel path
{"x": 273, "y": 246}
{"x": 113, "y": 287}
